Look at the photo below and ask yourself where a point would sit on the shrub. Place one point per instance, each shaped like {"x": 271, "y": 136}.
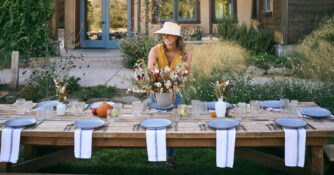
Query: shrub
{"x": 246, "y": 89}
{"x": 266, "y": 61}
{"x": 97, "y": 92}
{"x": 315, "y": 54}
{"x": 135, "y": 47}
{"x": 228, "y": 55}
{"x": 23, "y": 25}
{"x": 72, "y": 84}
{"x": 260, "y": 41}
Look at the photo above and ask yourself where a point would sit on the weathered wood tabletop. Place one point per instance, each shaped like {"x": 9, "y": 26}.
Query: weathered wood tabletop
{"x": 120, "y": 133}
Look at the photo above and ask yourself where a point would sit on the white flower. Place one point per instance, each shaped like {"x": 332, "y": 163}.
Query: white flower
{"x": 168, "y": 84}
{"x": 156, "y": 71}
{"x": 158, "y": 84}
{"x": 167, "y": 69}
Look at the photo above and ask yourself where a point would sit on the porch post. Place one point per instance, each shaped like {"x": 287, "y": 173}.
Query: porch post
{"x": 285, "y": 22}
{"x": 129, "y": 17}
{"x": 70, "y": 21}
{"x": 54, "y": 21}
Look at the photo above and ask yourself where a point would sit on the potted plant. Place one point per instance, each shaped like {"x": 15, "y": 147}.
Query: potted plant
{"x": 61, "y": 96}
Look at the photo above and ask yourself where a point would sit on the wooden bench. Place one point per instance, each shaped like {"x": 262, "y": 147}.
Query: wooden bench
{"x": 329, "y": 152}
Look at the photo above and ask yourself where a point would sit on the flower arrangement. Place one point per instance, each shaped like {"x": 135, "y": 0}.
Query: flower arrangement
{"x": 222, "y": 88}
{"x": 165, "y": 80}
{"x": 60, "y": 90}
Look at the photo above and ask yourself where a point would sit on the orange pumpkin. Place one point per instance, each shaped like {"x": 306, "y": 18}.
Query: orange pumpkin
{"x": 102, "y": 108}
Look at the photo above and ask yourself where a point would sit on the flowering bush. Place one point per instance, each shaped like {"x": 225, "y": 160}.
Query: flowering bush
{"x": 222, "y": 88}
{"x": 164, "y": 80}
{"x": 60, "y": 90}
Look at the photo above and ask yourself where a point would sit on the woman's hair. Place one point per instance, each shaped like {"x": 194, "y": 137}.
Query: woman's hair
{"x": 180, "y": 45}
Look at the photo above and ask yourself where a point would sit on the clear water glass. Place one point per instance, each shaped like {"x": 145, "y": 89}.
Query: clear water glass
{"x": 254, "y": 107}
{"x": 40, "y": 114}
{"x": 182, "y": 111}
{"x": 284, "y": 102}
{"x": 203, "y": 107}
{"x": 48, "y": 107}
{"x": 195, "y": 107}
{"x": 74, "y": 107}
{"x": 110, "y": 116}
{"x": 137, "y": 108}
{"x": 117, "y": 111}
{"x": 28, "y": 106}
{"x": 293, "y": 107}
{"x": 81, "y": 107}
{"x": 20, "y": 106}
{"x": 242, "y": 109}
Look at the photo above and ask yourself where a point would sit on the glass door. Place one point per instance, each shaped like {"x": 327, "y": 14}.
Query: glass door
{"x": 104, "y": 22}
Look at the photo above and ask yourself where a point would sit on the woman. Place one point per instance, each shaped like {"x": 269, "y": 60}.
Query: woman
{"x": 170, "y": 52}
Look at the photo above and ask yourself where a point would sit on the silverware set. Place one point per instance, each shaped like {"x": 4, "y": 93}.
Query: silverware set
{"x": 271, "y": 125}
{"x": 243, "y": 127}
{"x": 136, "y": 127}
{"x": 202, "y": 126}
{"x": 175, "y": 126}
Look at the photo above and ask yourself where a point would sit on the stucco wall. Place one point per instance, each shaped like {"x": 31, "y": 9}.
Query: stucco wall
{"x": 244, "y": 12}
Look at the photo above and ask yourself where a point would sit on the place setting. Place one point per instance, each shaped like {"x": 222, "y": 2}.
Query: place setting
{"x": 317, "y": 114}
{"x": 11, "y": 136}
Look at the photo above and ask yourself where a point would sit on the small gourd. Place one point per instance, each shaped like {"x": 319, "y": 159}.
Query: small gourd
{"x": 102, "y": 108}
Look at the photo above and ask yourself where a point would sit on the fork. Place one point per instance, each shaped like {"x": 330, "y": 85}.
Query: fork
{"x": 200, "y": 126}
{"x": 204, "y": 126}
{"x": 273, "y": 125}
{"x": 68, "y": 127}
{"x": 37, "y": 124}
{"x": 268, "y": 125}
{"x": 106, "y": 126}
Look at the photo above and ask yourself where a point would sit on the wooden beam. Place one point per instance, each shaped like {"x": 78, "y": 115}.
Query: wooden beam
{"x": 267, "y": 160}
{"x": 54, "y": 21}
{"x": 285, "y": 22}
{"x": 15, "y": 70}
{"x": 316, "y": 160}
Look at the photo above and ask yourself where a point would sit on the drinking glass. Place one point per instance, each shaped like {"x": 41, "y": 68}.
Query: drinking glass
{"x": 20, "y": 106}
{"x": 242, "y": 109}
{"x": 182, "y": 111}
{"x": 110, "y": 116}
{"x": 137, "y": 108}
{"x": 254, "y": 107}
{"x": 195, "y": 107}
{"x": 74, "y": 107}
{"x": 40, "y": 114}
{"x": 81, "y": 107}
{"x": 117, "y": 111}
{"x": 203, "y": 107}
{"x": 284, "y": 102}
{"x": 292, "y": 107}
{"x": 28, "y": 106}
{"x": 48, "y": 107}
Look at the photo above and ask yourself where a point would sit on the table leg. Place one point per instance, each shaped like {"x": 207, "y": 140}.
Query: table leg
{"x": 30, "y": 151}
{"x": 5, "y": 167}
{"x": 316, "y": 160}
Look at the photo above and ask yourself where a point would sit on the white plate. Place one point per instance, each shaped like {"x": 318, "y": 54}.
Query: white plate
{"x": 20, "y": 122}
{"x": 291, "y": 122}
{"x": 155, "y": 123}
{"x": 94, "y": 105}
{"x": 223, "y": 123}
{"x": 89, "y": 123}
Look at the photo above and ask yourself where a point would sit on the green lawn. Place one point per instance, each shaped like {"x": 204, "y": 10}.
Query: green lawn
{"x": 134, "y": 161}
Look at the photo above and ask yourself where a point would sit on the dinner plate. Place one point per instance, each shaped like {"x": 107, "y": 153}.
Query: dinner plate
{"x": 155, "y": 123}
{"x": 316, "y": 112}
{"x": 95, "y": 104}
{"x": 20, "y": 122}
{"x": 223, "y": 123}
{"x": 53, "y": 102}
{"x": 271, "y": 104}
{"x": 211, "y": 105}
{"x": 291, "y": 122}
{"x": 156, "y": 106}
{"x": 89, "y": 123}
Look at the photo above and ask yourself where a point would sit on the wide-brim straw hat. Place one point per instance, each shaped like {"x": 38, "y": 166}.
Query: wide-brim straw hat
{"x": 170, "y": 28}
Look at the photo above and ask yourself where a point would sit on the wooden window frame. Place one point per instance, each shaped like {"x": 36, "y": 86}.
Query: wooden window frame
{"x": 213, "y": 16}
{"x": 176, "y": 14}
{"x": 269, "y": 10}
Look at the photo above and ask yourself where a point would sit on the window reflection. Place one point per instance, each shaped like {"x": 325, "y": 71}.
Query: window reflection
{"x": 187, "y": 9}
{"x": 93, "y": 28}
{"x": 223, "y": 8}
{"x": 118, "y": 19}
{"x": 164, "y": 9}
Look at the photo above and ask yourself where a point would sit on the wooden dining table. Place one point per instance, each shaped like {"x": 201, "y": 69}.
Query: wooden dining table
{"x": 191, "y": 132}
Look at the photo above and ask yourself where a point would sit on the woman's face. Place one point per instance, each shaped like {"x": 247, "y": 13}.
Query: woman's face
{"x": 169, "y": 39}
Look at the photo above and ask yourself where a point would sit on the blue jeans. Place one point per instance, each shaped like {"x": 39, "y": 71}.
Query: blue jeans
{"x": 178, "y": 99}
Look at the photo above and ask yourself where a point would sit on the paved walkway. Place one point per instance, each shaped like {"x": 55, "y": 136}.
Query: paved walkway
{"x": 105, "y": 67}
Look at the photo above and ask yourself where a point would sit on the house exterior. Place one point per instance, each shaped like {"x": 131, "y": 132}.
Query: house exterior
{"x": 102, "y": 23}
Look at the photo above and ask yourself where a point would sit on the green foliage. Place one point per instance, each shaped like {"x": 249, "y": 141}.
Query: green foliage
{"x": 247, "y": 89}
{"x": 99, "y": 91}
{"x": 24, "y": 27}
{"x": 136, "y": 47}
{"x": 72, "y": 84}
{"x": 260, "y": 41}
{"x": 266, "y": 61}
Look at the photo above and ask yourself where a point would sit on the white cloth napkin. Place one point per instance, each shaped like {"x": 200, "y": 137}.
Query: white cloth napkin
{"x": 10, "y": 144}
{"x": 295, "y": 140}
{"x": 274, "y": 109}
{"x": 156, "y": 144}
{"x": 157, "y": 110}
{"x": 225, "y": 144}
{"x": 83, "y": 143}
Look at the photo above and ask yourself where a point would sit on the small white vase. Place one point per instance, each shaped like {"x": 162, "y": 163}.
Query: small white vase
{"x": 61, "y": 109}
{"x": 220, "y": 108}
{"x": 164, "y": 99}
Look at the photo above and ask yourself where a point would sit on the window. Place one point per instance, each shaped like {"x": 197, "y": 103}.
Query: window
{"x": 269, "y": 6}
{"x": 222, "y": 9}
{"x": 175, "y": 10}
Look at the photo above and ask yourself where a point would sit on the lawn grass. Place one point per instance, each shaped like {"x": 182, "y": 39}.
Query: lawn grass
{"x": 134, "y": 161}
